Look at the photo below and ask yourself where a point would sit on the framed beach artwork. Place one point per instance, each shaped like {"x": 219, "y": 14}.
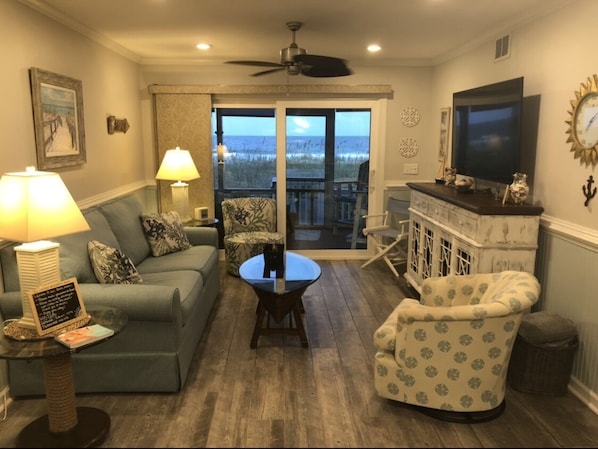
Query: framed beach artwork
{"x": 445, "y": 127}
{"x": 57, "y": 119}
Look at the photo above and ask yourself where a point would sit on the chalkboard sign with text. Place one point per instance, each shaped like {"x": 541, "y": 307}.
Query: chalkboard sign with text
{"x": 56, "y": 306}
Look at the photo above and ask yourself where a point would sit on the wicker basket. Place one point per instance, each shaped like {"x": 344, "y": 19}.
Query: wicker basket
{"x": 543, "y": 353}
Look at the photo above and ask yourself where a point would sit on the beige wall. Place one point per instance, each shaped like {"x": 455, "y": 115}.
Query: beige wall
{"x": 551, "y": 55}
{"x": 115, "y": 163}
{"x": 110, "y": 87}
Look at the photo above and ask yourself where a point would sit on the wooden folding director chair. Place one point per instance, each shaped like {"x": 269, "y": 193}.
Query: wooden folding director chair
{"x": 388, "y": 230}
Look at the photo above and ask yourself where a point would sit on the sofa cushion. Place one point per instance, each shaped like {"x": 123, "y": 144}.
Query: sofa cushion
{"x": 74, "y": 259}
{"x": 189, "y": 283}
{"x": 165, "y": 233}
{"x": 123, "y": 216}
{"x": 111, "y": 265}
{"x": 202, "y": 258}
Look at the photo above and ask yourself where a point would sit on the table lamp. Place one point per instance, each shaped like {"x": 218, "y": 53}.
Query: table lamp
{"x": 178, "y": 166}
{"x": 36, "y": 205}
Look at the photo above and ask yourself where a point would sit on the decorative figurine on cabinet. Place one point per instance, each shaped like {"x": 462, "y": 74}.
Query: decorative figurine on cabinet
{"x": 518, "y": 190}
{"x": 450, "y": 175}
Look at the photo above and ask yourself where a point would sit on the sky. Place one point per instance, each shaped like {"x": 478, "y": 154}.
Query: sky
{"x": 356, "y": 123}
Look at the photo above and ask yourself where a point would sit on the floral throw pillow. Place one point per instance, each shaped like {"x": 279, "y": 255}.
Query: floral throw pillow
{"x": 165, "y": 233}
{"x": 111, "y": 265}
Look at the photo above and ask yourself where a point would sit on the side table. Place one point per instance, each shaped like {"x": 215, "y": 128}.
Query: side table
{"x": 65, "y": 425}
{"x": 208, "y": 222}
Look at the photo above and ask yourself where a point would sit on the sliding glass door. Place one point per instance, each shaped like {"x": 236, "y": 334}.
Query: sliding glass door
{"x": 325, "y": 196}
{"x": 322, "y": 152}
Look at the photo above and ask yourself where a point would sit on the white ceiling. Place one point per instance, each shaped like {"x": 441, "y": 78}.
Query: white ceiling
{"x": 412, "y": 32}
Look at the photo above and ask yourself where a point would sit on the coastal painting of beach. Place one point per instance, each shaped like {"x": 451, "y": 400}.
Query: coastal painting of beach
{"x": 58, "y": 119}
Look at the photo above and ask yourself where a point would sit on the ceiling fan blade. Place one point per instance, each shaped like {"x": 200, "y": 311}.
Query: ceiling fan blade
{"x": 266, "y": 72}
{"x": 322, "y": 66}
{"x": 325, "y": 72}
{"x": 318, "y": 59}
{"x": 257, "y": 63}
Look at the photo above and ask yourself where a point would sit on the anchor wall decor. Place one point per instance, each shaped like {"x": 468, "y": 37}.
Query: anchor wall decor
{"x": 588, "y": 192}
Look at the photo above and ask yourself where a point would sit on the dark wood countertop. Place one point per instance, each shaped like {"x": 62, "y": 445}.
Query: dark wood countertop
{"x": 479, "y": 202}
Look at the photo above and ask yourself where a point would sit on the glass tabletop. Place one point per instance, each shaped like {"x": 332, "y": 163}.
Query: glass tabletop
{"x": 300, "y": 271}
{"x": 10, "y": 348}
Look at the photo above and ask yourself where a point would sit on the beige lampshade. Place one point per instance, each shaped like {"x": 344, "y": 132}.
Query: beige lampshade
{"x": 177, "y": 165}
{"x": 36, "y": 205}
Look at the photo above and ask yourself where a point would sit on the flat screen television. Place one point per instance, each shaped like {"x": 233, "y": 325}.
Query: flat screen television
{"x": 487, "y": 131}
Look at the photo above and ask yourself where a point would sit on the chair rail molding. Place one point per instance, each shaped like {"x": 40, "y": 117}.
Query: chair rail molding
{"x": 579, "y": 235}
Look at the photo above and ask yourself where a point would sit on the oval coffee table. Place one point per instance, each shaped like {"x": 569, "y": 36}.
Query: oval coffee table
{"x": 280, "y": 297}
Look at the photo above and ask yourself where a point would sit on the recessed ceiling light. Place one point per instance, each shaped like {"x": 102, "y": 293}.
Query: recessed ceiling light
{"x": 374, "y": 48}
{"x": 204, "y": 46}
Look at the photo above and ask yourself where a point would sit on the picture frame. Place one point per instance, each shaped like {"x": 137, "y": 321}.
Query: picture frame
{"x": 58, "y": 119}
{"x": 445, "y": 129}
{"x": 56, "y": 306}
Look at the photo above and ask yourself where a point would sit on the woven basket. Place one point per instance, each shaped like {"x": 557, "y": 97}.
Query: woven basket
{"x": 542, "y": 369}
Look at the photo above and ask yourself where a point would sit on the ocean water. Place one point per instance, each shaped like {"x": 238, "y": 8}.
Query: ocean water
{"x": 297, "y": 146}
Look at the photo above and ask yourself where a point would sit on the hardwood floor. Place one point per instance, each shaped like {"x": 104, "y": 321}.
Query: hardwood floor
{"x": 283, "y": 395}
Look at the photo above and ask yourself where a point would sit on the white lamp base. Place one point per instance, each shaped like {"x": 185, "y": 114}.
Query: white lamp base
{"x": 180, "y": 200}
{"x": 39, "y": 265}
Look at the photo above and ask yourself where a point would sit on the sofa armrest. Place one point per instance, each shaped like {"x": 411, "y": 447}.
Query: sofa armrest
{"x": 202, "y": 236}
{"x": 386, "y": 334}
{"x": 140, "y": 302}
{"x": 10, "y": 305}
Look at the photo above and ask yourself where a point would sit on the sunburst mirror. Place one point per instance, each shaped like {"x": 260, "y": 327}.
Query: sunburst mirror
{"x": 583, "y": 123}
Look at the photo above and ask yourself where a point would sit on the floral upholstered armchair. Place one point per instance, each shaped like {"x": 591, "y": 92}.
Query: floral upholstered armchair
{"x": 249, "y": 223}
{"x": 449, "y": 353}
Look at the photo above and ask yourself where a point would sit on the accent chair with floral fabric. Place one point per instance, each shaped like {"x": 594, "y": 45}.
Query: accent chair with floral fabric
{"x": 249, "y": 223}
{"x": 448, "y": 353}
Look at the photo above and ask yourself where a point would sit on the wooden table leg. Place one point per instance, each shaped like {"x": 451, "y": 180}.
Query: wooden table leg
{"x": 299, "y": 325}
{"x": 280, "y": 306}
{"x": 259, "y": 320}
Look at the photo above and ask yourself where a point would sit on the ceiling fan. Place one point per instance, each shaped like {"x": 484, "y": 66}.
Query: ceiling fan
{"x": 296, "y": 61}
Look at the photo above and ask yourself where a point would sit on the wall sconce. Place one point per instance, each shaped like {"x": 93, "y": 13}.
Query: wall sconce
{"x": 34, "y": 206}
{"x": 117, "y": 125}
{"x": 178, "y": 165}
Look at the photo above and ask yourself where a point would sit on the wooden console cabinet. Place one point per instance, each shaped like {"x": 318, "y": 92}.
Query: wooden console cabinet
{"x": 454, "y": 232}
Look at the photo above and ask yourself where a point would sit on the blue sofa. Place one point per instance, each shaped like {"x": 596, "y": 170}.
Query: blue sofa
{"x": 167, "y": 313}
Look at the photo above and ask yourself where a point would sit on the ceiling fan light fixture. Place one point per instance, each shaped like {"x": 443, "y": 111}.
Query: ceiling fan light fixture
{"x": 287, "y": 54}
{"x": 294, "y": 69}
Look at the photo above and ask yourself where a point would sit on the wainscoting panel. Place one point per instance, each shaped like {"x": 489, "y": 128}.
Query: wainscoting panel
{"x": 566, "y": 267}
